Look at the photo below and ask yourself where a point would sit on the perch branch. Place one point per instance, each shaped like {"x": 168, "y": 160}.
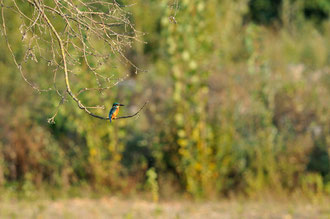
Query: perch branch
{"x": 135, "y": 114}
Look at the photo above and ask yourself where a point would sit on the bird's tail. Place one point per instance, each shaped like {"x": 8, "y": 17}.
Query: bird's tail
{"x": 110, "y": 119}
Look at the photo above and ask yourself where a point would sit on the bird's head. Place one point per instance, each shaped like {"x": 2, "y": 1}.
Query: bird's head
{"x": 117, "y": 104}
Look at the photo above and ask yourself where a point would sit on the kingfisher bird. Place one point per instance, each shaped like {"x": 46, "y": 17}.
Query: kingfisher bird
{"x": 114, "y": 111}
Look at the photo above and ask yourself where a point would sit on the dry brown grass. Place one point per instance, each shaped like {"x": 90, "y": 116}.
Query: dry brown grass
{"x": 118, "y": 208}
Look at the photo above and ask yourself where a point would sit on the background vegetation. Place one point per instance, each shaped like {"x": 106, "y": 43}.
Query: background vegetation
{"x": 239, "y": 97}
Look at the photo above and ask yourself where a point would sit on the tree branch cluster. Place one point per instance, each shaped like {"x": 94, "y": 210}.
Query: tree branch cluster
{"x": 68, "y": 34}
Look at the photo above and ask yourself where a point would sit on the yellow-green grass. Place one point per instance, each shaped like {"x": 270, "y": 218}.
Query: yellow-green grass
{"x": 114, "y": 207}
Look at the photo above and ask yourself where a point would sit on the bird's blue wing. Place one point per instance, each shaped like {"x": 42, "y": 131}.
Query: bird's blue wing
{"x": 113, "y": 109}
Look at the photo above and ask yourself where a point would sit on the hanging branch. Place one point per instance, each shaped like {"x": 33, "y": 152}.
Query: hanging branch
{"x": 87, "y": 29}
{"x": 124, "y": 117}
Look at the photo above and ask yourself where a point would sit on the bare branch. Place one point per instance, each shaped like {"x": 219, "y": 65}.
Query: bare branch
{"x": 135, "y": 114}
{"x": 19, "y": 66}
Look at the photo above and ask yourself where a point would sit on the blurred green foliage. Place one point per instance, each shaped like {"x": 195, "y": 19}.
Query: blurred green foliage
{"x": 238, "y": 105}
{"x": 268, "y": 11}
{"x": 152, "y": 184}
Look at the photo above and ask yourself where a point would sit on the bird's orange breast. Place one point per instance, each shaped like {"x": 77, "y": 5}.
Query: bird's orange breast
{"x": 115, "y": 113}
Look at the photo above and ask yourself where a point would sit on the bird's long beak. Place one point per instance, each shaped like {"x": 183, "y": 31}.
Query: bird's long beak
{"x": 121, "y": 105}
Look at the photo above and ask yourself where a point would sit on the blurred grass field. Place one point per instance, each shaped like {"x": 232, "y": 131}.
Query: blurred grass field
{"x": 112, "y": 207}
